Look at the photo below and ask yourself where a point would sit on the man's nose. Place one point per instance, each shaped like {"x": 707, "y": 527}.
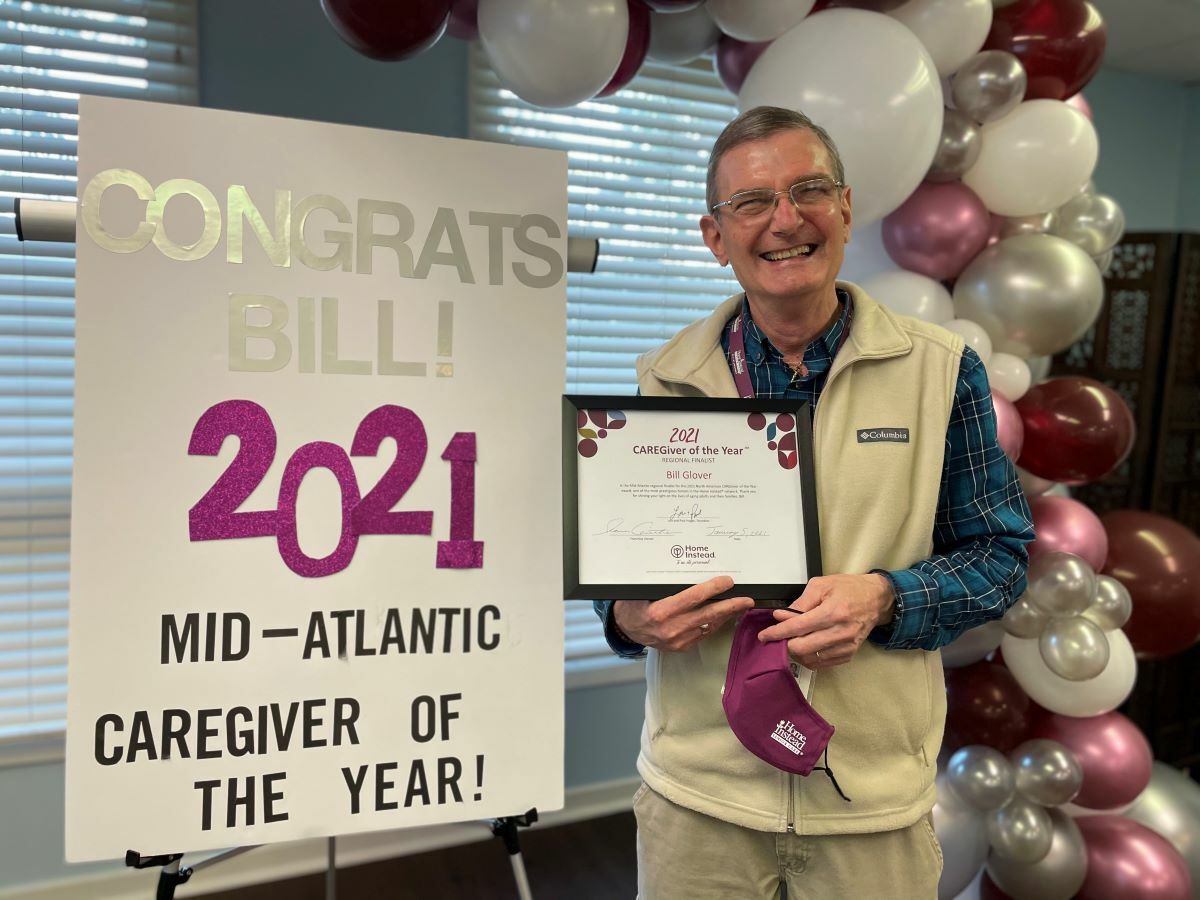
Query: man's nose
{"x": 786, "y": 216}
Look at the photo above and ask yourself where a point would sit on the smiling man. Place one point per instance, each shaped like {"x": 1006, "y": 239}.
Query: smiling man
{"x": 923, "y": 529}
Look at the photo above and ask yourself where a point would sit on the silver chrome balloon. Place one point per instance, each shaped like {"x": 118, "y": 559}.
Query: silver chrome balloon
{"x": 981, "y": 777}
{"x": 1020, "y": 831}
{"x": 1104, "y": 261}
{"x": 1034, "y": 294}
{"x": 963, "y": 837}
{"x": 1074, "y": 648}
{"x": 1060, "y": 584}
{"x": 1047, "y": 772}
{"x": 957, "y": 149}
{"x": 1111, "y": 604}
{"x": 1024, "y": 620}
{"x": 1035, "y": 224}
{"x": 989, "y": 85}
{"x": 1092, "y": 222}
{"x": 1056, "y": 876}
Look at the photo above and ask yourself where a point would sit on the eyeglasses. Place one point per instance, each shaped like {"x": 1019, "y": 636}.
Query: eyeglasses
{"x": 810, "y": 195}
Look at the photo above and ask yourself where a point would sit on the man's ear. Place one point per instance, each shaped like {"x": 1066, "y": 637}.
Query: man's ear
{"x": 847, "y": 215}
{"x": 713, "y": 239}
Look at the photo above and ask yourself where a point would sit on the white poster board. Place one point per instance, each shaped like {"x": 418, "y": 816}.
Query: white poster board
{"x": 315, "y": 569}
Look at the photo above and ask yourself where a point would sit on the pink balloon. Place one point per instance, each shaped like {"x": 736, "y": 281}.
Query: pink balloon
{"x": 734, "y": 58}
{"x": 1125, "y": 859}
{"x": 1061, "y": 523}
{"x": 937, "y": 230}
{"x": 1115, "y": 756}
{"x": 463, "y": 24}
{"x": 1010, "y": 430}
{"x": 636, "y": 47}
{"x": 1080, "y": 104}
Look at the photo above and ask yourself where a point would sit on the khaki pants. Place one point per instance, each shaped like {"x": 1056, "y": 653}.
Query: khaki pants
{"x": 684, "y": 855}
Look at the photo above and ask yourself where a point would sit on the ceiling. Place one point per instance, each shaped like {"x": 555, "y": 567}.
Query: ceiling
{"x": 1153, "y": 37}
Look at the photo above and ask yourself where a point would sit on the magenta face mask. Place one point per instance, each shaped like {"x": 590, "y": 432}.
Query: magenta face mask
{"x": 764, "y": 705}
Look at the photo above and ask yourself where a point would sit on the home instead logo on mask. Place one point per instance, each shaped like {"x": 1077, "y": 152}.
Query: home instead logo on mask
{"x": 785, "y": 733}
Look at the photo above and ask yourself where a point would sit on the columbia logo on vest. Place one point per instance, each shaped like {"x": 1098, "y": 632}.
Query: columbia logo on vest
{"x": 889, "y": 435}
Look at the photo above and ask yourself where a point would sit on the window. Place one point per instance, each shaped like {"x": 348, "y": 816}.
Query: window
{"x": 49, "y": 54}
{"x": 636, "y": 169}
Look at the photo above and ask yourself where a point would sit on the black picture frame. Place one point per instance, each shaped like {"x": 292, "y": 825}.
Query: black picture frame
{"x": 768, "y": 595}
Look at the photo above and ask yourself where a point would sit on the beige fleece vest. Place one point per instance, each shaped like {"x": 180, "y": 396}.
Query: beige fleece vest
{"x": 876, "y": 503}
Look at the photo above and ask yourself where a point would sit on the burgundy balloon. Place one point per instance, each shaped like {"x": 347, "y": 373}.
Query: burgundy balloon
{"x": 938, "y": 230}
{"x": 1115, "y": 756}
{"x": 1059, "y": 42}
{"x": 672, "y": 6}
{"x": 463, "y": 19}
{"x": 1076, "y": 429}
{"x": 636, "y": 46}
{"x": 734, "y": 58}
{"x": 1158, "y": 560}
{"x": 1010, "y": 432}
{"x": 985, "y": 705}
{"x": 388, "y": 31}
{"x": 1125, "y": 859}
{"x": 1061, "y": 523}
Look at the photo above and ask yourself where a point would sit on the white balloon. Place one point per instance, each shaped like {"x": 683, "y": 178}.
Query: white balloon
{"x": 973, "y": 645}
{"x": 1034, "y": 159}
{"x": 757, "y": 20}
{"x": 554, "y": 54}
{"x": 682, "y": 36}
{"x": 1009, "y": 376}
{"x": 886, "y": 118}
{"x": 864, "y": 255}
{"x": 1034, "y": 485}
{"x": 952, "y": 30}
{"x": 1081, "y": 699}
{"x": 972, "y": 332}
{"x": 911, "y": 294}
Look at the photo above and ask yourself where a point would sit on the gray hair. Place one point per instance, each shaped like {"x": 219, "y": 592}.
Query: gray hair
{"x": 758, "y": 124}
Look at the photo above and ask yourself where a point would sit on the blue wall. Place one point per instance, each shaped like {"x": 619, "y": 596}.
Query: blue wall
{"x": 280, "y": 57}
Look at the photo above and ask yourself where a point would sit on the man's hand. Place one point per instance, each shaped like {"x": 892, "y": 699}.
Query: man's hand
{"x": 837, "y": 614}
{"x": 682, "y": 620}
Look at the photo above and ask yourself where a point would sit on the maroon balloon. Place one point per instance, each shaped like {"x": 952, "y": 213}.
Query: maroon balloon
{"x": 985, "y": 705}
{"x": 1061, "y": 523}
{"x": 388, "y": 31}
{"x": 938, "y": 230}
{"x": 672, "y": 6}
{"x": 1125, "y": 859}
{"x": 464, "y": 23}
{"x": 1115, "y": 756}
{"x": 1076, "y": 430}
{"x": 989, "y": 891}
{"x": 734, "y": 58}
{"x": 636, "y": 46}
{"x": 1010, "y": 432}
{"x": 1059, "y": 42}
{"x": 1158, "y": 560}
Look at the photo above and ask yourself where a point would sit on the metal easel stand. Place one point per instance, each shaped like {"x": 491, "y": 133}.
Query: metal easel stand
{"x": 54, "y": 220}
{"x": 506, "y": 830}
{"x": 173, "y": 874}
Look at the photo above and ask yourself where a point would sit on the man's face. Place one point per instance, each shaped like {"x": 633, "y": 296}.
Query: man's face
{"x": 778, "y": 162}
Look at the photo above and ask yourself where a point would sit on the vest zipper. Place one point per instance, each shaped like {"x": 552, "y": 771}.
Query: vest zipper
{"x": 791, "y": 806}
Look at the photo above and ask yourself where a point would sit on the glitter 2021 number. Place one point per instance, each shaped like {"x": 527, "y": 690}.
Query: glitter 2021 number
{"x": 215, "y": 516}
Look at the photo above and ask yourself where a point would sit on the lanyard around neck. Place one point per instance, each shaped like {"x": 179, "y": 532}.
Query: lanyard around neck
{"x": 737, "y": 351}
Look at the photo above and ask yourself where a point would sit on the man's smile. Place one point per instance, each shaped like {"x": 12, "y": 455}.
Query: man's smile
{"x": 799, "y": 250}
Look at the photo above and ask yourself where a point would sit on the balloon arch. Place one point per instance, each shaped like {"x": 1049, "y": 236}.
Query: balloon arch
{"x": 970, "y": 150}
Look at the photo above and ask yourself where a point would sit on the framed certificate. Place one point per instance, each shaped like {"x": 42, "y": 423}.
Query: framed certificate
{"x": 660, "y": 493}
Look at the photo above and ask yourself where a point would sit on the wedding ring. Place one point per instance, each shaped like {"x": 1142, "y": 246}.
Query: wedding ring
{"x": 817, "y": 654}
{"x": 704, "y": 627}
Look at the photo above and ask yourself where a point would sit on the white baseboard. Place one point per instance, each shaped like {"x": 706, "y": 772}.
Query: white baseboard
{"x": 276, "y": 862}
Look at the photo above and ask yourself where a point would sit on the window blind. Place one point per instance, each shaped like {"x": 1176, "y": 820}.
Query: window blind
{"x": 49, "y": 55}
{"x": 636, "y": 168}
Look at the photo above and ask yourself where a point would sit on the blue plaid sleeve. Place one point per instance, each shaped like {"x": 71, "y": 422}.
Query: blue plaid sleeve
{"x": 616, "y": 640}
{"x": 980, "y": 531}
